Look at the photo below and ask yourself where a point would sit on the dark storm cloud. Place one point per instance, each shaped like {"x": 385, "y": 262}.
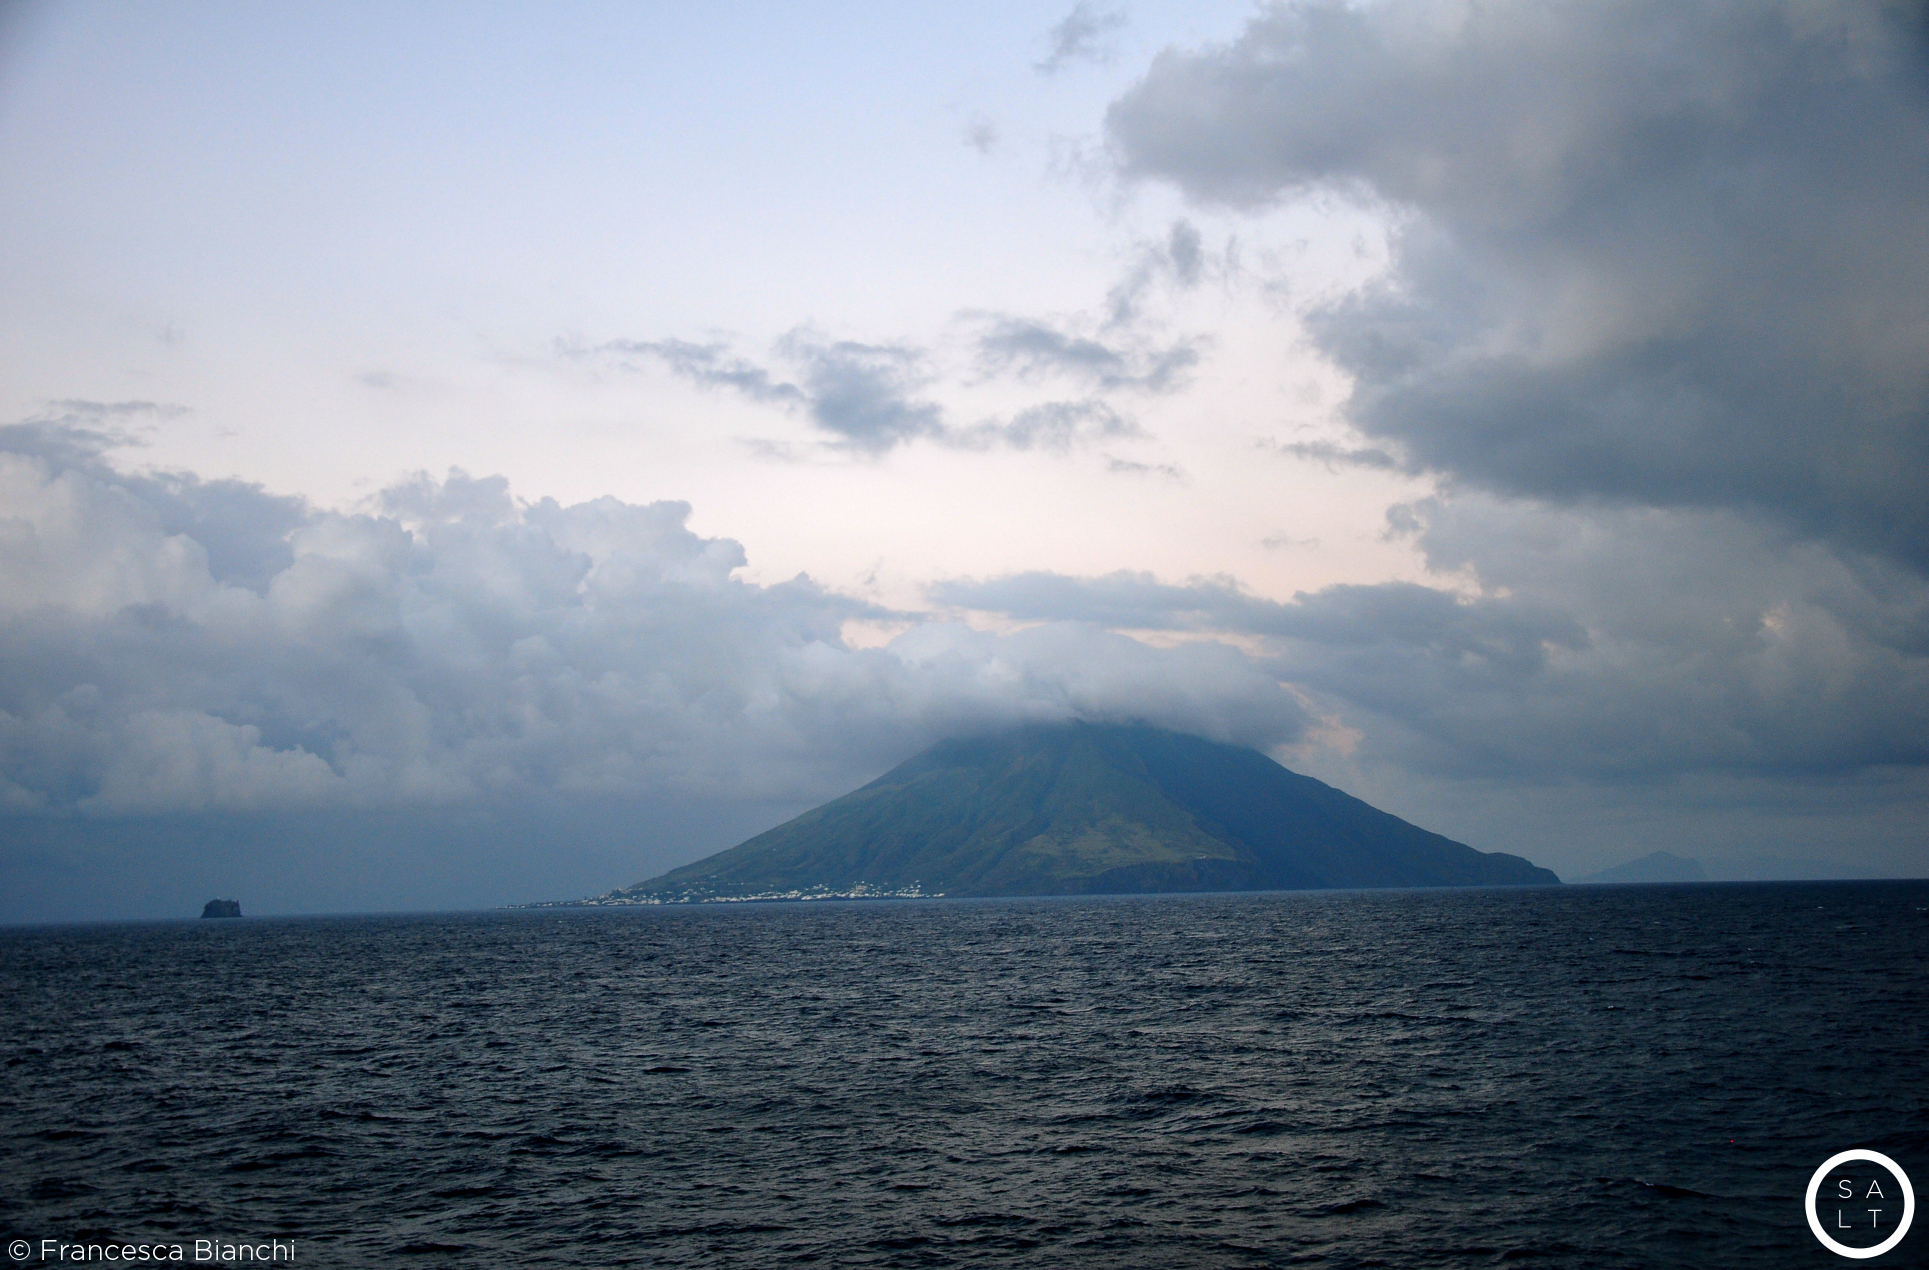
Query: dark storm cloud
{"x": 1082, "y": 37}
{"x": 1663, "y": 254}
{"x": 170, "y": 645}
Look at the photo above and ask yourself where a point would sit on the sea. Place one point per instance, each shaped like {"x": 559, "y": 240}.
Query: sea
{"x": 1549, "y": 1077}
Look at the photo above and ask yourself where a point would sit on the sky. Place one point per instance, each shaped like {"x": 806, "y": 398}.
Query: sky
{"x": 464, "y": 455}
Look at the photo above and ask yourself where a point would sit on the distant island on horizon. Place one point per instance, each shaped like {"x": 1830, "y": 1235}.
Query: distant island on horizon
{"x": 1081, "y": 809}
{"x": 1656, "y": 866}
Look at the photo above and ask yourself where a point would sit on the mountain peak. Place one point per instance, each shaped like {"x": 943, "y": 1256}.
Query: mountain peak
{"x": 1085, "y": 808}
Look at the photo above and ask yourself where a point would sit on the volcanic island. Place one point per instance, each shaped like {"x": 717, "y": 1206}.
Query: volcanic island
{"x": 1082, "y": 809}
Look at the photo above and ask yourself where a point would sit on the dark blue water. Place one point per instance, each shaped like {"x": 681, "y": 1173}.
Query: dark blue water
{"x": 1637, "y": 1076}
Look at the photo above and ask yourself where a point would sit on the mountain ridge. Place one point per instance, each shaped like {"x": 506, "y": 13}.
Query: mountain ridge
{"x": 1656, "y": 866}
{"x": 1084, "y": 808}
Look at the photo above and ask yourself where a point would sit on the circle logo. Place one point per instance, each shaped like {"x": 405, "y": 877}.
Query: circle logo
{"x": 1859, "y": 1203}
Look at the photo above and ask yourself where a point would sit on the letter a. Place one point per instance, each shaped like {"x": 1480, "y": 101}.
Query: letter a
{"x": 1875, "y": 1189}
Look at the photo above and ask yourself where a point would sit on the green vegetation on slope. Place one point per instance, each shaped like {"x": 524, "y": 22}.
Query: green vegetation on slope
{"x": 1091, "y": 808}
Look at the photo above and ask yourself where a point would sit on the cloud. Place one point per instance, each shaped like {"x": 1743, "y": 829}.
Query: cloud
{"x": 711, "y": 366}
{"x": 1128, "y": 467}
{"x": 1644, "y": 254}
{"x": 452, "y": 645}
{"x": 68, "y": 410}
{"x": 1082, "y": 37}
{"x": 1400, "y": 612}
{"x": 1032, "y": 348}
{"x": 982, "y": 135}
{"x": 869, "y": 397}
{"x": 1598, "y": 650}
{"x": 239, "y": 527}
{"x": 1181, "y": 259}
{"x": 1334, "y": 455}
{"x": 1054, "y": 425}
{"x": 865, "y": 394}
{"x": 75, "y": 431}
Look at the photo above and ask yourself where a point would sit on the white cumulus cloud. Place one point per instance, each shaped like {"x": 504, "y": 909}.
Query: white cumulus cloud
{"x": 451, "y": 643}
